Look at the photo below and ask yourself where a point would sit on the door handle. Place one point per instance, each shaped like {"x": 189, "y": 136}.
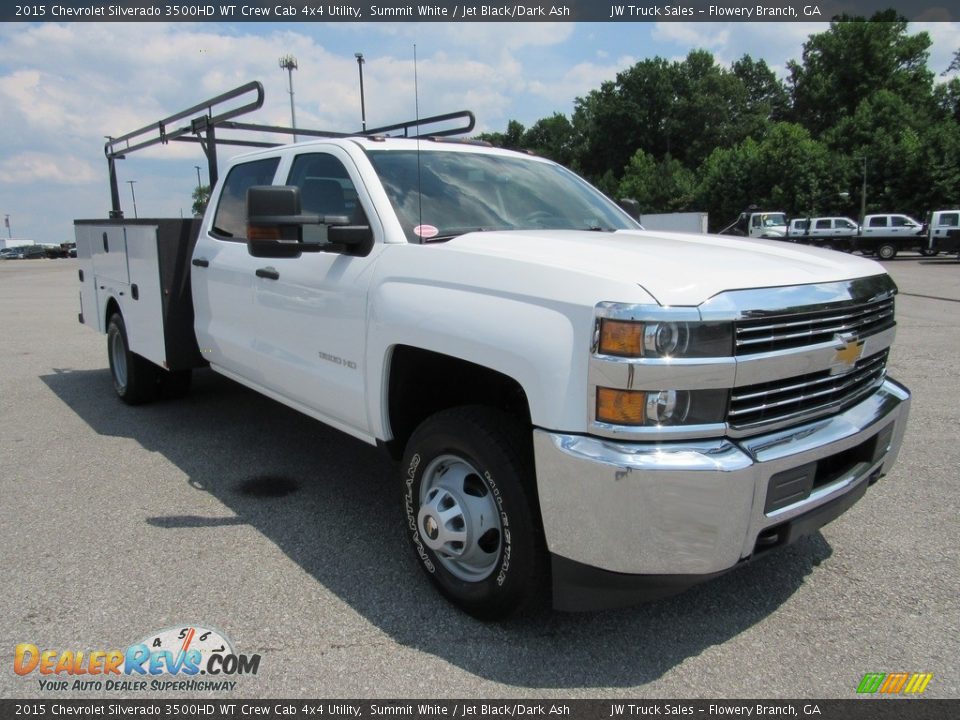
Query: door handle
{"x": 269, "y": 273}
{"x": 201, "y": 262}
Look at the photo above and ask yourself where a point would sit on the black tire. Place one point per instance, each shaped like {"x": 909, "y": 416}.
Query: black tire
{"x": 927, "y": 252}
{"x": 886, "y": 251}
{"x": 134, "y": 377}
{"x": 470, "y": 465}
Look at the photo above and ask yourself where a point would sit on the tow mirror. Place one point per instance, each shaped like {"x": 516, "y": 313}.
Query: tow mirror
{"x": 272, "y": 227}
{"x": 276, "y": 227}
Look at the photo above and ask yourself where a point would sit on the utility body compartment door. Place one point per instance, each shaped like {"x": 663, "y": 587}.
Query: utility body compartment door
{"x": 142, "y": 266}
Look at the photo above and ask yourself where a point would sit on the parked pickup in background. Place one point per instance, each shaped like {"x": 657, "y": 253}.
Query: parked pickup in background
{"x": 943, "y": 232}
{"x": 832, "y": 233}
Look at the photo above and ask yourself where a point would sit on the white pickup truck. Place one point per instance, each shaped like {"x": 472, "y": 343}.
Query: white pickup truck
{"x": 577, "y": 405}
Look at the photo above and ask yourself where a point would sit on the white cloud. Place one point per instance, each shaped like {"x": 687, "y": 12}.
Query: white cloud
{"x": 946, "y": 41}
{"x": 31, "y": 167}
{"x": 579, "y": 80}
{"x": 776, "y": 43}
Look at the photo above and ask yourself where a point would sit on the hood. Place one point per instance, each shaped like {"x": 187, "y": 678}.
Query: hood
{"x": 675, "y": 268}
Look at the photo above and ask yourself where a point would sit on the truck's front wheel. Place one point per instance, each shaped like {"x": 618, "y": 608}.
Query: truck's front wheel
{"x": 134, "y": 377}
{"x": 887, "y": 251}
{"x": 467, "y": 495}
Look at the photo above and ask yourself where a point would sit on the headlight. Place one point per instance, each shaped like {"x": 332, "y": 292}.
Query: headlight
{"x": 664, "y": 339}
{"x": 660, "y": 407}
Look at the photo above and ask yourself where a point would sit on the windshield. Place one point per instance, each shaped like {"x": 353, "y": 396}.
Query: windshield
{"x": 464, "y": 191}
{"x": 774, "y": 219}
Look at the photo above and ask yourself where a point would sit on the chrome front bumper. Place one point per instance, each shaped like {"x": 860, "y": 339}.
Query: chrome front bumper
{"x": 699, "y": 508}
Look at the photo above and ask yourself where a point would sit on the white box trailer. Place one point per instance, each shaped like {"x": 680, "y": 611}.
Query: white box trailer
{"x": 689, "y": 222}
{"x": 14, "y": 242}
{"x": 141, "y": 266}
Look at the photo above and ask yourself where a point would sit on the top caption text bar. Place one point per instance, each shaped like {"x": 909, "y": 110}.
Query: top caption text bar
{"x": 470, "y": 11}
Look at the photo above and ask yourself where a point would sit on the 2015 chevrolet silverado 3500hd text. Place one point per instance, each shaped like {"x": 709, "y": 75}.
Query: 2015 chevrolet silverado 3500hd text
{"x": 576, "y": 405}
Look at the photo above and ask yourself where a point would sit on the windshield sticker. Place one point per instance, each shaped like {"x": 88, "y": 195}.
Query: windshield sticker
{"x": 425, "y": 231}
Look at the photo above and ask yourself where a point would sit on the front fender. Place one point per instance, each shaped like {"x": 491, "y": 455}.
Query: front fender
{"x": 543, "y": 346}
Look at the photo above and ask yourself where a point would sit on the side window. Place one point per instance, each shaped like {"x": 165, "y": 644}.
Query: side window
{"x": 230, "y": 222}
{"x": 823, "y": 225}
{"x": 950, "y": 219}
{"x": 901, "y": 221}
{"x": 325, "y": 187}
{"x": 878, "y": 221}
{"x": 846, "y": 224}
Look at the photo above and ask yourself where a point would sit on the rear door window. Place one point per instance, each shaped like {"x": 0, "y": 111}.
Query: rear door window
{"x": 230, "y": 222}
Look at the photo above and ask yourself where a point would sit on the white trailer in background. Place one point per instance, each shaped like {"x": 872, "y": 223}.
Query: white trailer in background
{"x": 14, "y": 242}
{"x": 690, "y": 222}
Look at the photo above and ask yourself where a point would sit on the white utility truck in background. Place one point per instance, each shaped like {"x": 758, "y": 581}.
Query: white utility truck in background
{"x": 577, "y": 405}
{"x": 943, "y": 232}
{"x": 758, "y": 224}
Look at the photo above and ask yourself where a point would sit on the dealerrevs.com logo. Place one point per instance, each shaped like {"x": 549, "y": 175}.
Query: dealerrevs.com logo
{"x": 186, "y": 658}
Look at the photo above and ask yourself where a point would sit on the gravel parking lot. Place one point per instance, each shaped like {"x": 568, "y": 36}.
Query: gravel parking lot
{"x": 228, "y": 510}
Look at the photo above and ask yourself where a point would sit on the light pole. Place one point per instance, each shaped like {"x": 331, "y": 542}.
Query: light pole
{"x": 363, "y": 109}
{"x": 134, "y": 196}
{"x": 6, "y": 221}
{"x": 199, "y": 184}
{"x": 863, "y": 192}
{"x": 289, "y": 63}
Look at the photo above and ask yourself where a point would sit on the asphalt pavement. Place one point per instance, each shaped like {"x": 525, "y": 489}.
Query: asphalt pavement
{"x": 226, "y": 510}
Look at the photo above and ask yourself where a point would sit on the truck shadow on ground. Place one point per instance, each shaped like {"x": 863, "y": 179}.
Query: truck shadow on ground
{"x": 308, "y": 488}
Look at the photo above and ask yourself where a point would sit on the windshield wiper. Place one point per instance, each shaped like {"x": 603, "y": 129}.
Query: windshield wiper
{"x": 450, "y": 233}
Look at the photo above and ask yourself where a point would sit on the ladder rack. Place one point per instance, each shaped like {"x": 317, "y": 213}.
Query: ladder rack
{"x": 199, "y": 124}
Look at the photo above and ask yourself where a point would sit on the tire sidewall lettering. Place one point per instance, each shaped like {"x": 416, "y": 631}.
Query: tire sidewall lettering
{"x": 505, "y": 523}
{"x": 411, "y": 509}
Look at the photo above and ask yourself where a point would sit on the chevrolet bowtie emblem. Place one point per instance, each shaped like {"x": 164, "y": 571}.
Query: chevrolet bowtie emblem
{"x": 847, "y": 355}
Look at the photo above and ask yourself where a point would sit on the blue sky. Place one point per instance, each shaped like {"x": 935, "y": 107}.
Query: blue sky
{"x": 64, "y": 86}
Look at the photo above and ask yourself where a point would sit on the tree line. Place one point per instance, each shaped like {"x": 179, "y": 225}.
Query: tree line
{"x": 694, "y": 135}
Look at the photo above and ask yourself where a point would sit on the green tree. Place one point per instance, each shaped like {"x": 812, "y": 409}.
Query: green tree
{"x": 665, "y": 186}
{"x": 846, "y": 64}
{"x": 954, "y": 64}
{"x": 890, "y": 133}
{"x": 767, "y": 97}
{"x": 788, "y": 171}
{"x": 512, "y": 138}
{"x": 683, "y": 109}
{"x": 551, "y": 137}
{"x": 947, "y": 97}
{"x": 941, "y": 158}
{"x": 201, "y": 196}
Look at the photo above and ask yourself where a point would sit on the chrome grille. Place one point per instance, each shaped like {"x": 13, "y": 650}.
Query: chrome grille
{"x": 804, "y": 395}
{"x": 784, "y": 332}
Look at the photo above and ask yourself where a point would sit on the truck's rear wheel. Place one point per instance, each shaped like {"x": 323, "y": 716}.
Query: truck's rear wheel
{"x": 468, "y": 500}
{"x": 886, "y": 251}
{"x": 134, "y": 377}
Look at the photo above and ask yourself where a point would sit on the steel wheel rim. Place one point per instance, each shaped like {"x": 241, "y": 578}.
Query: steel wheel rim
{"x": 459, "y": 519}
{"x": 118, "y": 357}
